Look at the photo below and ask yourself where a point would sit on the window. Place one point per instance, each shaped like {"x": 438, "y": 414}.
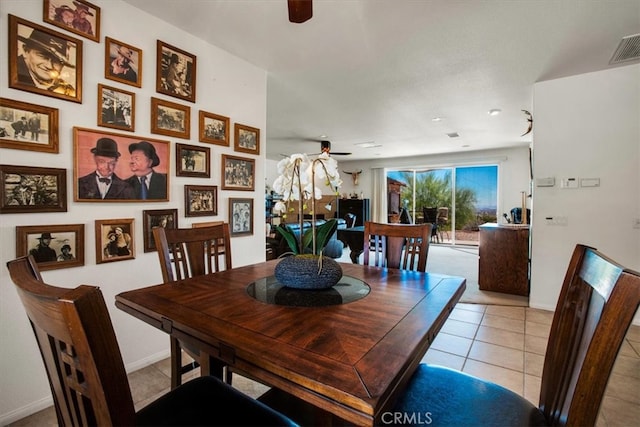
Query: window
{"x": 475, "y": 203}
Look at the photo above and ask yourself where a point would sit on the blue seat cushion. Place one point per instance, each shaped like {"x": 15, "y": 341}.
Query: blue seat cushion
{"x": 439, "y": 396}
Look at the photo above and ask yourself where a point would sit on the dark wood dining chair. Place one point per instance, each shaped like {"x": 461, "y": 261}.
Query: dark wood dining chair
{"x": 87, "y": 376}
{"x": 185, "y": 253}
{"x": 596, "y": 306}
{"x": 400, "y": 246}
{"x": 430, "y": 215}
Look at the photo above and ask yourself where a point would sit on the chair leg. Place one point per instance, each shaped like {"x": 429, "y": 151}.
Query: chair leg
{"x": 176, "y": 363}
{"x": 228, "y": 375}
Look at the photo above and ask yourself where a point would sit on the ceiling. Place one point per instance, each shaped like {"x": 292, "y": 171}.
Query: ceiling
{"x": 380, "y": 71}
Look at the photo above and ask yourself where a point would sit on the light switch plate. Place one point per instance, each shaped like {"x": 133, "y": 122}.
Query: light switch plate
{"x": 569, "y": 183}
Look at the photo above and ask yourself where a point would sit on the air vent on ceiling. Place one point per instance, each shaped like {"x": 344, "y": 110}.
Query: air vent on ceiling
{"x": 628, "y": 50}
{"x": 453, "y": 135}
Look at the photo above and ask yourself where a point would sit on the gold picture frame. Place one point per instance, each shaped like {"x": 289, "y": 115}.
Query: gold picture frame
{"x": 27, "y": 189}
{"x": 170, "y": 119}
{"x": 213, "y": 128}
{"x": 65, "y": 52}
{"x": 175, "y": 72}
{"x": 116, "y": 108}
{"x": 122, "y": 62}
{"x": 247, "y": 139}
{"x": 91, "y": 146}
{"x": 38, "y": 131}
{"x": 115, "y": 240}
{"x": 52, "y": 246}
{"x": 77, "y": 16}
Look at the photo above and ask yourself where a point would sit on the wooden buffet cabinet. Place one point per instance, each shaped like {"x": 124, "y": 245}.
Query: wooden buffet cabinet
{"x": 504, "y": 258}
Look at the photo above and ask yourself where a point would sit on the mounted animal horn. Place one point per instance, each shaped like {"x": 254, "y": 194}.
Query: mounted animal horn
{"x": 354, "y": 175}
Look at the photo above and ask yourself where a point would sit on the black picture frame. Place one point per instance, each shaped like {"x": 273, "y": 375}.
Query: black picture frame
{"x": 200, "y": 200}
{"x": 166, "y": 218}
{"x": 193, "y": 161}
{"x": 240, "y": 217}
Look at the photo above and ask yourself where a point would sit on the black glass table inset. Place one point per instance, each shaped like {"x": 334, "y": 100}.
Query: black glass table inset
{"x": 270, "y": 291}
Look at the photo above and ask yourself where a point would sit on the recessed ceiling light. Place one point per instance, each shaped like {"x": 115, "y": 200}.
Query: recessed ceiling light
{"x": 453, "y": 135}
{"x": 494, "y": 111}
{"x": 437, "y": 119}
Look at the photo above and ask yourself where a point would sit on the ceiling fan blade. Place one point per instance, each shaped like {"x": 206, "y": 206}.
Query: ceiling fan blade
{"x": 325, "y": 147}
{"x": 300, "y": 10}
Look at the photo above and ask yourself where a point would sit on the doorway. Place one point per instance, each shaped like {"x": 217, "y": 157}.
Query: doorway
{"x": 463, "y": 197}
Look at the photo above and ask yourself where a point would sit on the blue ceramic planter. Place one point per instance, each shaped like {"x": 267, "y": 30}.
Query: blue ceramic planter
{"x": 301, "y": 272}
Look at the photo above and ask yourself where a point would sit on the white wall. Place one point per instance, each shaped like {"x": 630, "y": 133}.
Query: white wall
{"x": 586, "y": 126}
{"x": 226, "y": 85}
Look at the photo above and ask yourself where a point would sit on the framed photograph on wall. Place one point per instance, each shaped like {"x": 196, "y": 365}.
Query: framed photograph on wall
{"x": 200, "y": 200}
{"x": 26, "y": 189}
{"x": 109, "y": 167}
{"x": 165, "y": 218}
{"x": 78, "y": 16}
{"x": 122, "y": 62}
{"x": 171, "y": 119}
{"x": 52, "y": 246}
{"x": 116, "y": 108}
{"x": 175, "y": 72}
{"x": 30, "y": 127}
{"x": 240, "y": 217}
{"x": 247, "y": 139}
{"x": 29, "y": 41}
{"x": 214, "y": 129}
{"x": 238, "y": 173}
{"x": 193, "y": 161}
{"x": 114, "y": 240}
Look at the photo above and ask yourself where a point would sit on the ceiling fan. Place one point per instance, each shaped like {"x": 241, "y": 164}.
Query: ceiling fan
{"x": 300, "y": 11}
{"x": 325, "y": 147}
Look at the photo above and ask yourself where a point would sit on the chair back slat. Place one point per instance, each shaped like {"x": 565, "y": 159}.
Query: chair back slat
{"x": 189, "y": 252}
{"x": 78, "y": 347}
{"x": 596, "y": 306}
{"x": 401, "y": 246}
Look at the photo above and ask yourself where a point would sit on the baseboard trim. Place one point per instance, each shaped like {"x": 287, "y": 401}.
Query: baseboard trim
{"x": 25, "y": 411}
{"x": 39, "y": 405}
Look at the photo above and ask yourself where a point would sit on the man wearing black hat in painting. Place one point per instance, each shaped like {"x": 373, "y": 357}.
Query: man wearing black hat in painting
{"x": 103, "y": 183}
{"x": 42, "y": 252}
{"x": 147, "y": 183}
{"x": 44, "y": 56}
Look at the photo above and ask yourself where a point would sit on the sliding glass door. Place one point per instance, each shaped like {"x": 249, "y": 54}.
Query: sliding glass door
{"x": 428, "y": 195}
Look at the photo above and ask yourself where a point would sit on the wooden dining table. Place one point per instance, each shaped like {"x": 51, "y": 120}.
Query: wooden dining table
{"x": 348, "y": 357}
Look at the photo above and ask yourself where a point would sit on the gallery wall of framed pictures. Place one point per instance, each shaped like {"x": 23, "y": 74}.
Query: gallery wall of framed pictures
{"x": 101, "y": 164}
{"x": 99, "y": 97}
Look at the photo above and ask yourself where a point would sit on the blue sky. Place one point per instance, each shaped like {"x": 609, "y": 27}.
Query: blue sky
{"x": 482, "y": 179}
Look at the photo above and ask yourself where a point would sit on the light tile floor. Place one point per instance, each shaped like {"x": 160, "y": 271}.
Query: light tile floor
{"x": 503, "y": 344}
